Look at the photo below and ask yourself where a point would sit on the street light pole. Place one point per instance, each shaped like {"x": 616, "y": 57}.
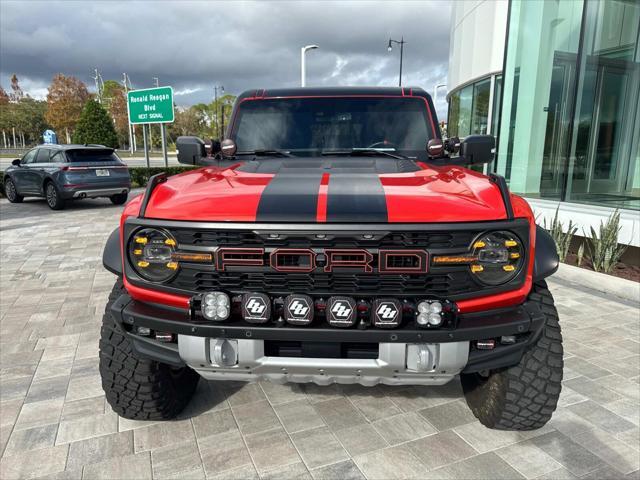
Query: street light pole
{"x": 390, "y": 47}
{"x": 215, "y": 108}
{"x": 303, "y": 65}
{"x": 435, "y": 92}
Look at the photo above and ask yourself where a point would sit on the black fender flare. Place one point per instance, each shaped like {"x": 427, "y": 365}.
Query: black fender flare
{"x": 546, "y": 259}
{"x": 112, "y": 255}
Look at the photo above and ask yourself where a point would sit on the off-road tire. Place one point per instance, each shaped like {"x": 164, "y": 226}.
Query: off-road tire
{"x": 119, "y": 198}
{"x": 138, "y": 388}
{"x": 53, "y": 197}
{"x": 524, "y": 396}
{"x": 11, "y": 192}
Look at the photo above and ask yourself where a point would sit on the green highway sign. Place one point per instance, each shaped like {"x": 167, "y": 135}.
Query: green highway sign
{"x": 150, "y": 105}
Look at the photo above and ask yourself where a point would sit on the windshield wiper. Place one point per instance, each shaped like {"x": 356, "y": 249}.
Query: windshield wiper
{"x": 265, "y": 152}
{"x": 362, "y": 152}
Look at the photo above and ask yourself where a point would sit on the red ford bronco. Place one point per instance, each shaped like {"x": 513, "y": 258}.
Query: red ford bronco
{"x": 333, "y": 237}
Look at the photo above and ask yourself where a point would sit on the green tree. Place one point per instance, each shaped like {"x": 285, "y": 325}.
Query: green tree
{"x": 95, "y": 126}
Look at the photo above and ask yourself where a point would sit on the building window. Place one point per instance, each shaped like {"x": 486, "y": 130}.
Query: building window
{"x": 480, "y": 109}
{"x": 469, "y": 109}
{"x": 570, "y": 118}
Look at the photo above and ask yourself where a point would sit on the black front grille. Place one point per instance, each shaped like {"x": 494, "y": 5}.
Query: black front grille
{"x": 264, "y": 244}
{"x": 249, "y": 239}
{"x": 357, "y": 284}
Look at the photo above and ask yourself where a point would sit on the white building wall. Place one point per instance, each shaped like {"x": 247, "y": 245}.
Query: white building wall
{"x": 478, "y": 29}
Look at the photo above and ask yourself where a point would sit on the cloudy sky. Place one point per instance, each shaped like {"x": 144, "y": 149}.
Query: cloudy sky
{"x": 195, "y": 45}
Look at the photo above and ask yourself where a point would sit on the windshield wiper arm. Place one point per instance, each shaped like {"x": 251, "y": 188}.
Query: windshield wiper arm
{"x": 362, "y": 152}
{"x": 265, "y": 152}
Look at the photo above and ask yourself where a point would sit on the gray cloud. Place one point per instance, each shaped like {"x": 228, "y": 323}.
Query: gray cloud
{"x": 194, "y": 45}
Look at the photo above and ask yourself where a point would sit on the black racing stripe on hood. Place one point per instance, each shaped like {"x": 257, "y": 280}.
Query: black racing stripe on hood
{"x": 356, "y": 198}
{"x": 290, "y": 197}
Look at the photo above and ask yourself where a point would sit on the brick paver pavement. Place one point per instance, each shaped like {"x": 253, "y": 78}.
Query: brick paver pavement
{"x": 55, "y": 423}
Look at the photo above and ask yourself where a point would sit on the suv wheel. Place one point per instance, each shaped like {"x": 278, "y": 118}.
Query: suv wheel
{"x": 54, "y": 200}
{"x": 119, "y": 199}
{"x": 524, "y": 396}
{"x": 11, "y": 192}
{"x": 137, "y": 388}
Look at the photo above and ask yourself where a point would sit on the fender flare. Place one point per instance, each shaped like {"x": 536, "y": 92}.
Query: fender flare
{"x": 546, "y": 256}
{"x": 112, "y": 256}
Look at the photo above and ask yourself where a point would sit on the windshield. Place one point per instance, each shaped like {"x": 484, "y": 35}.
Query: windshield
{"x": 308, "y": 126}
{"x": 92, "y": 155}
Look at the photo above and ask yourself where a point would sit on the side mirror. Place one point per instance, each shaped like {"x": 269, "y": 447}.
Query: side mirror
{"x": 16, "y": 162}
{"x": 228, "y": 147}
{"x": 190, "y": 150}
{"x": 435, "y": 148}
{"x": 478, "y": 149}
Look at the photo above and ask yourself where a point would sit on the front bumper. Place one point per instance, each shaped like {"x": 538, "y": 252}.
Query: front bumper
{"x": 404, "y": 353}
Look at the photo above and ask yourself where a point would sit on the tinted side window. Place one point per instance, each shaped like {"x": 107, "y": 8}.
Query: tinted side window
{"x": 57, "y": 157}
{"x": 29, "y": 157}
{"x": 43, "y": 155}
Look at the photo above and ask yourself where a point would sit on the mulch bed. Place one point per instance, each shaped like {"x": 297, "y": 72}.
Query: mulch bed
{"x": 622, "y": 270}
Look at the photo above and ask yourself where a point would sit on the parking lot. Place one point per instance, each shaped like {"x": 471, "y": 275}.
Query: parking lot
{"x": 55, "y": 423}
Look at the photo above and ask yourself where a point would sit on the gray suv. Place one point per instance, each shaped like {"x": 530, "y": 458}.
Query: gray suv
{"x": 68, "y": 172}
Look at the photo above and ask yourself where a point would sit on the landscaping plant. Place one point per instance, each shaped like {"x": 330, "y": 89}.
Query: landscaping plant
{"x": 603, "y": 249}
{"x": 561, "y": 238}
{"x": 580, "y": 254}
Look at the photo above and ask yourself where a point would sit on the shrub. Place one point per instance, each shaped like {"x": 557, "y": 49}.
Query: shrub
{"x": 140, "y": 175}
{"x": 603, "y": 249}
{"x": 561, "y": 238}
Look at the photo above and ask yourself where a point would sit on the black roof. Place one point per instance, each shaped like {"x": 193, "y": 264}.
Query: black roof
{"x": 333, "y": 91}
{"x": 72, "y": 146}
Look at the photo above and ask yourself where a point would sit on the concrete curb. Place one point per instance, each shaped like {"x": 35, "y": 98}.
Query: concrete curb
{"x": 601, "y": 282}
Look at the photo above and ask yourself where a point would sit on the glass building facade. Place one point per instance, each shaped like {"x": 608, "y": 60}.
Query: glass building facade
{"x": 566, "y": 109}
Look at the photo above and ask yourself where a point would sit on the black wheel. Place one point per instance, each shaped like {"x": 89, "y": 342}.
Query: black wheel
{"x": 54, "y": 200}
{"x": 119, "y": 199}
{"x": 11, "y": 192}
{"x": 524, "y": 396}
{"x": 135, "y": 387}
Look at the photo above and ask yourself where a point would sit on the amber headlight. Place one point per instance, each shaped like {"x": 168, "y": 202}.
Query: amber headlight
{"x": 151, "y": 254}
{"x": 497, "y": 257}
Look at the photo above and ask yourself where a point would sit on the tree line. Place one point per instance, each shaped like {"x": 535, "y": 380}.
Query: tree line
{"x": 78, "y": 116}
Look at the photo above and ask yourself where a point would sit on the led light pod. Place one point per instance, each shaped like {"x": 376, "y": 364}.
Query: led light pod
{"x": 215, "y": 306}
{"x": 341, "y": 311}
{"x": 298, "y": 309}
{"x": 386, "y": 313}
{"x": 256, "y": 307}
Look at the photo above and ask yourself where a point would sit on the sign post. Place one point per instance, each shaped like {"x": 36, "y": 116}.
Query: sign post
{"x": 148, "y": 106}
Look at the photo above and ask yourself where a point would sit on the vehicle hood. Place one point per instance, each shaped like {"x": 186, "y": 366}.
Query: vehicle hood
{"x": 328, "y": 190}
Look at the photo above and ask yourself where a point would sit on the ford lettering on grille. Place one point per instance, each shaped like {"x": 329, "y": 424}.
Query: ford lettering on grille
{"x": 327, "y": 260}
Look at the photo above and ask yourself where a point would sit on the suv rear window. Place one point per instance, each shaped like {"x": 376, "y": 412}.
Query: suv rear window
{"x": 92, "y": 155}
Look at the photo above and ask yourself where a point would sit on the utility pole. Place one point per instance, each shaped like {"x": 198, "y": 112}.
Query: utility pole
{"x": 126, "y": 81}
{"x": 130, "y": 127}
{"x": 222, "y": 119}
{"x": 215, "y": 108}
{"x": 99, "y": 84}
{"x": 163, "y": 134}
{"x": 390, "y": 47}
